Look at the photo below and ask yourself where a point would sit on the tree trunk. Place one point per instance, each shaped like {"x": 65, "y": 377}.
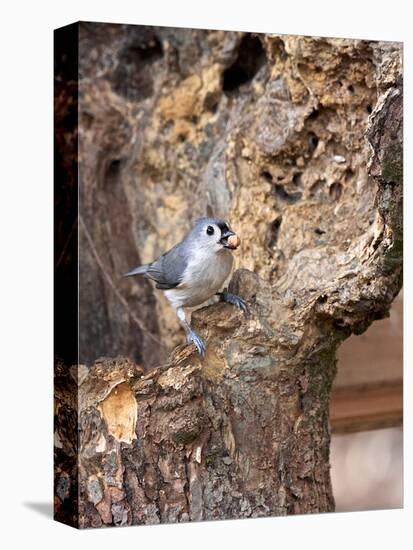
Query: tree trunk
{"x": 298, "y": 141}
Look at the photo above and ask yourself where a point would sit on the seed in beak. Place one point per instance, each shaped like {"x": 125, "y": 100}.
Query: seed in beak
{"x": 233, "y": 241}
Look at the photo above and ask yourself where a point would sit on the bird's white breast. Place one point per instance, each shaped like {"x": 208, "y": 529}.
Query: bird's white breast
{"x": 203, "y": 277}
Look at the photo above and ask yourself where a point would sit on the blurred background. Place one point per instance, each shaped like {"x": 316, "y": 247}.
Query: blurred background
{"x": 366, "y": 417}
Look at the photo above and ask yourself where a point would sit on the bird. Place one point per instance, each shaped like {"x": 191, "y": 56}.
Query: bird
{"x": 194, "y": 270}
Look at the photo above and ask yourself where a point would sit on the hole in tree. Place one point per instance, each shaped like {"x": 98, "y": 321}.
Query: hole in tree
{"x": 150, "y": 51}
{"x": 133, "y": 77}
{"x": 369, "y": 109}
{"x": 314, "y": 114}
{"x": 335, "y": 190}
{"x": 274, "y": 232}
{"x": 339, "y": 323}
{"x": 251, "y": 57}
{"x": 267, "y": 176}
{"x": 350, "y": 88}
{"x": 111, "y": 170}
{"x": 297, "y": 179}
{"x": 317, "y": 188}
{"x": 312, "y": 142}
{"x": 285, "y": 196}
{"x": 211, "y": 102}
{"x": 348, "y": 174}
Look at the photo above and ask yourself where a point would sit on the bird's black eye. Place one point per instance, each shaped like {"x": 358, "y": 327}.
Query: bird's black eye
{"x": 210, "y": 230}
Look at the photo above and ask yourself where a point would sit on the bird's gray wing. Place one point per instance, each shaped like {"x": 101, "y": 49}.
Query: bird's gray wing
{"x": 167, "y": 271}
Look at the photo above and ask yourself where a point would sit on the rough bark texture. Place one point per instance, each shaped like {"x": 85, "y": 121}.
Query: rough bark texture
{"x": 298, "y": 142}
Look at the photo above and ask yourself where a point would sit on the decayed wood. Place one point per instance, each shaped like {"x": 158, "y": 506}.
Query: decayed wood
{"x": 283, "y": 153}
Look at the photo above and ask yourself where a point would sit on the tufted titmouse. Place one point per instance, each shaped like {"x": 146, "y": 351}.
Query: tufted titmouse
{"x": 194, "y": 270}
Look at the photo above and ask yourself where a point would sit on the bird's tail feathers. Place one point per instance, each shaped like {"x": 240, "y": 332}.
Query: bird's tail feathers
{"x": 140, "y": 270}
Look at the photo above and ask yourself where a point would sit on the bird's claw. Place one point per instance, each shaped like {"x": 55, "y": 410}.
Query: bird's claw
{"x": 193, "y": 338}
{"x": 234, "y": 300}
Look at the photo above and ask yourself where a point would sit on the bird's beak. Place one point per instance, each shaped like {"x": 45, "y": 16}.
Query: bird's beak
{"x": 229, "y": 240}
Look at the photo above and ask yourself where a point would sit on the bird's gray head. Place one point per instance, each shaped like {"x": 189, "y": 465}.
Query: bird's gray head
{"x": 214, "y": 235}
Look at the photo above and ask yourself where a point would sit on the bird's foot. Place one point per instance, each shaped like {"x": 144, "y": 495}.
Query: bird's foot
{"x": 193, "y": 338}
{"x": 234, "y": 300}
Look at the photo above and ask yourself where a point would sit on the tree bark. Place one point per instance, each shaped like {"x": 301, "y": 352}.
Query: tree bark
{"x": 299, "y": 142}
